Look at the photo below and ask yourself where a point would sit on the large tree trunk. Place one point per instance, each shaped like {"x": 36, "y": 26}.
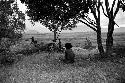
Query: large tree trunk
{"x": 109, "y": 40}
{"x": 100, "y": 47}
{"x": 99, "y": 42}
{"x": 99, "y": 36}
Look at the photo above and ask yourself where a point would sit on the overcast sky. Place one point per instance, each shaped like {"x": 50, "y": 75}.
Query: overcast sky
{"x": 120, "y": 20}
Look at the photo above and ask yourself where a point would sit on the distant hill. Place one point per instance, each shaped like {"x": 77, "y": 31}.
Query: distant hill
{"x": 121, "y": 29}
{"x": 32, "y": 32}
{"x": 75, "y": 30}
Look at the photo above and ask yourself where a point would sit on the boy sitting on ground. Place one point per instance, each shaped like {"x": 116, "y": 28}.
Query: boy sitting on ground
{"x": 69, "y": 54}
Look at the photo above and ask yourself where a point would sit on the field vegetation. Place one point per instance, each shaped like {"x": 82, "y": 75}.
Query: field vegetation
{"x": 24, "y": 59}
{"x": 26, "y": 63}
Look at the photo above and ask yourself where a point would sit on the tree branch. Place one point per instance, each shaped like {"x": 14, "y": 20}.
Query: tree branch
{"x": 117, "y": 9}
{"x": 122, "y": 2}
{"x": 116, "y": 24}
{"x": 92, "y": 21}
{"x": 89, "y": 21}
{"x": 98, "y": 10}
{"x": 94, "y": 14}
{"x": 107, "y": 7}
{"x": 113, "y": 5}
{"x": 88, "y": 25}
{"x": 104, "y": 11}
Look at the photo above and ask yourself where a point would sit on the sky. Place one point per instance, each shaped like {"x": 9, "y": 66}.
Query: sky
{"x": 120, "y": 20}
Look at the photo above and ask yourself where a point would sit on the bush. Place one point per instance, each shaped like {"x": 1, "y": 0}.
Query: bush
{"x": 10, "y": 59}
{"x": 24, "y": 48}
{"x": 51, "y": 47}
{"x": 7, "y": 59}
{"x": 5, "y": 43}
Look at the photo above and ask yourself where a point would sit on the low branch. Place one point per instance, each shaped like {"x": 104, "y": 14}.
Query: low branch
{"x": 116, "y": 24}
{"x": 88, "y": 25}
{"x": 90, "y": 22}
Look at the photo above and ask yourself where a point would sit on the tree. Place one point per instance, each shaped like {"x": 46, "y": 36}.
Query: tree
{"x": 62, "y": 11}
{"x": 53, "y": 14}
{"x": 94, "y": 7}
{"x": 57, "y": 26}
{"x": 11, "y": 20}
{"x": 111, "y": 13}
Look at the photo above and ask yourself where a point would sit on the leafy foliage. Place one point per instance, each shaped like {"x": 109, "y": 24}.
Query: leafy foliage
{"x": 12, "y": 21}
{"x": 6, "y": 10}
{"x": 58, "y": 13}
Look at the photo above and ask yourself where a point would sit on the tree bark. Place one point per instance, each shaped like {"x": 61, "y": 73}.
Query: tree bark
{"x": 99, "y": 36}
{"x": 55, "y": 35}
{"x": 109, "y": 40}
{"x": 99, "y": 42}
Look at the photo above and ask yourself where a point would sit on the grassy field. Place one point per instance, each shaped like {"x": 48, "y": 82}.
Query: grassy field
{"x": 78, "y": 38}
{"x": 44, "y": 67}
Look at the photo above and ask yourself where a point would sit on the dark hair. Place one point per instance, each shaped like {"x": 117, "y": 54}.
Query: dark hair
{"x": 68, "y": 45}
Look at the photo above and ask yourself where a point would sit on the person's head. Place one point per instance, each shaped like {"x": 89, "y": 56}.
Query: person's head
{"x": 68, "y": 45}
{"x": 32, "y": 37}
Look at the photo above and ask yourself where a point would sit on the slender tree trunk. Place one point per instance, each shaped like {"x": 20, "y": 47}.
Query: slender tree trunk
{"x": 55, "y": 35}
{"x": 109, "y": 40}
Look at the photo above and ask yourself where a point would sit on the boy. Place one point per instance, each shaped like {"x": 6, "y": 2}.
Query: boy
{"x": 69, "y": 55}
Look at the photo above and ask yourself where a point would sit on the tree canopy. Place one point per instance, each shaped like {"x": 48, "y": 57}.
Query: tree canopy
{"x": 55, "y": 11}
{"x": 62, "y": 11}
{"x": 56, "y": 15}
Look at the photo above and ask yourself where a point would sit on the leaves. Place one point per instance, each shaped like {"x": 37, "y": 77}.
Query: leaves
{"x": 55, "y": 12}
{"x": 12, "y": 21}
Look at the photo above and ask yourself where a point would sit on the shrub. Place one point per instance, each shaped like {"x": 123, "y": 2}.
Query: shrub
{"x": 5, "y": 43}
{"x": 7, "y": 60}
{"x": 10, "y": 59}
{"x": 24, "y": 48}
{"x": 51, "y": 47}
